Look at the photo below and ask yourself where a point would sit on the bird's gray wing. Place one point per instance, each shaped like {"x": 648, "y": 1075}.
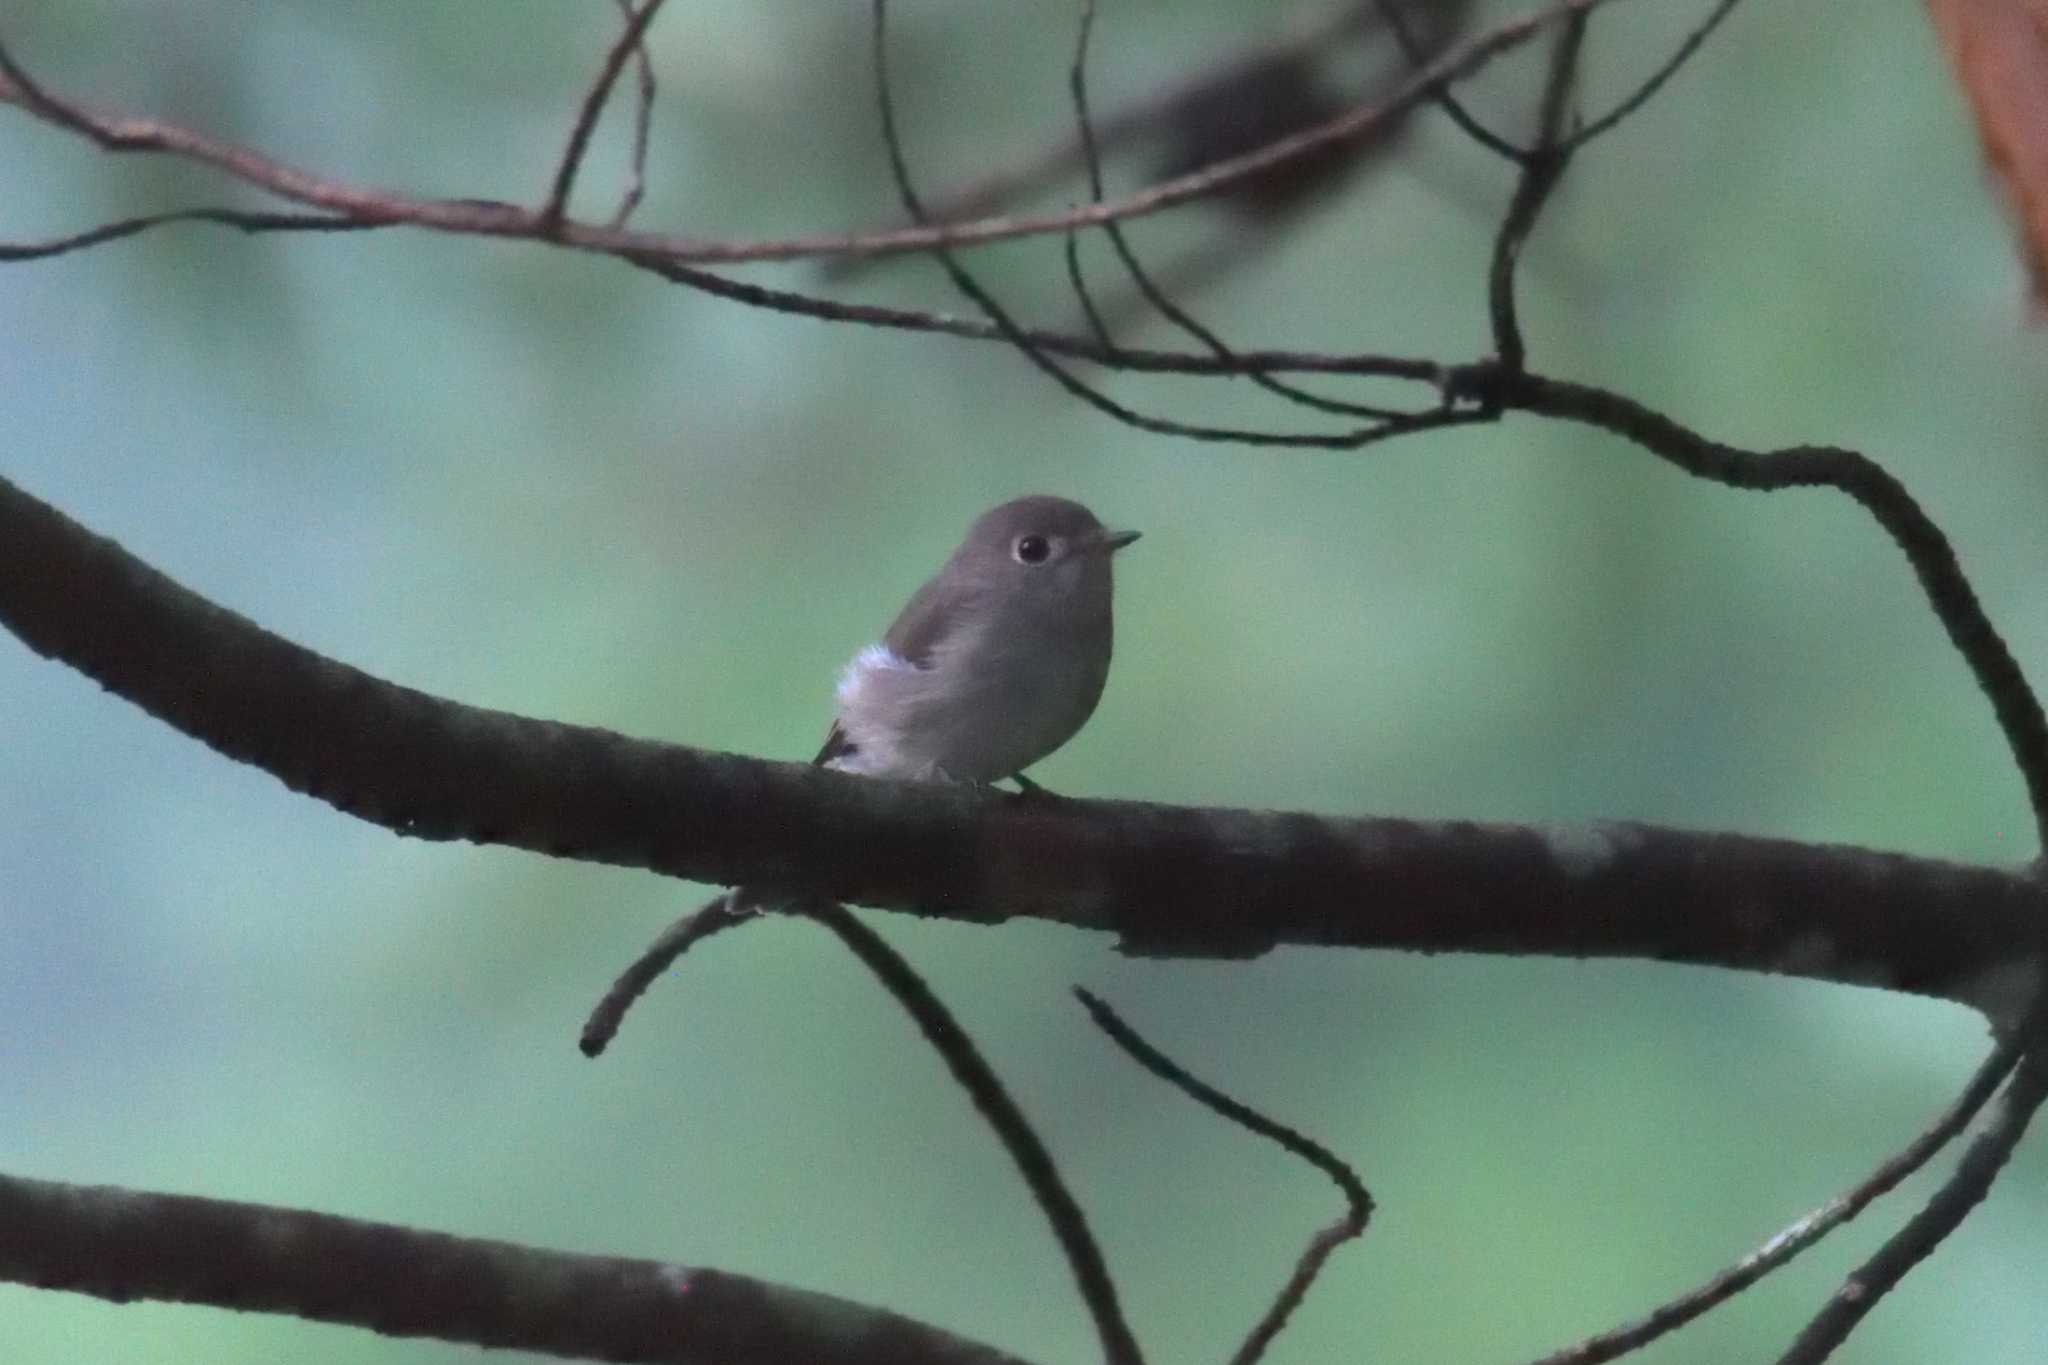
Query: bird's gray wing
{"x": 912, "y": 637}
{"x": 926, "y": 619}
{"x": 836, "y": 745}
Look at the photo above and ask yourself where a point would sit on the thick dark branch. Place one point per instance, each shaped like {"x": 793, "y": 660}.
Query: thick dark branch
{"x": 1170, "y": 880}
{"x": 124, "y": 1245}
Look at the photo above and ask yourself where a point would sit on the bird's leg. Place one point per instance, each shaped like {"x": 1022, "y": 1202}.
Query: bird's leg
{"x": 1026, "y": 787}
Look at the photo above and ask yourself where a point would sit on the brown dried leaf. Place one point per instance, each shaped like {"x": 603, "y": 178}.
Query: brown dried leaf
{"x": 1999, "y": 49}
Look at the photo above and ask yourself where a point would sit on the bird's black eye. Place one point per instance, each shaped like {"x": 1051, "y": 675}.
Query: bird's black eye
{"x": 1031, "y": 549}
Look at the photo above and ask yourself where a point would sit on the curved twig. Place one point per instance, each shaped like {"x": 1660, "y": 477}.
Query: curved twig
{"x": 1798, "y": 1236}
{"x": 1019, "y": 1139}
{"x": 1655, "y": 81}
{"x": 1357, "y": 1201}
{"x": 1981, "y": 1162}
{"x": 964, "y": 281}
{"x": 715, "y": 916}
{"x": 1947, "y": 588}
{"x": 1077, "y": 86}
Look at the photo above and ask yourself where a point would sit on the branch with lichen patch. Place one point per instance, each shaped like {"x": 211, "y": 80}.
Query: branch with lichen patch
{"x": 1171, "y": 881}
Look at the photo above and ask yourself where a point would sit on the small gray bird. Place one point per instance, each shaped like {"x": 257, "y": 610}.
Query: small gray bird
{"x": 992, "y": 665}
{"x": 995, "y": 662}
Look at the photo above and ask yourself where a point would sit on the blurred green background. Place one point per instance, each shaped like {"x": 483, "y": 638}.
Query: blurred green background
{"x": 537, "y": 481}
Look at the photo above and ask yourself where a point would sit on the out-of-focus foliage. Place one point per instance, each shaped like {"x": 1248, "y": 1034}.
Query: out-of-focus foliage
{"x": 546, "y": 483}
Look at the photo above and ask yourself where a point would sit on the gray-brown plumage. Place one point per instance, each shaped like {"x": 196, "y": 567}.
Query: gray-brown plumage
{"x": 996, "y": 661}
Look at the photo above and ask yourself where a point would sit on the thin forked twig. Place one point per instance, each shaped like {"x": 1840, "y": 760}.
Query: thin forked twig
{"x": 1798, "y": 1236}
{"x": 965, "y": 282}
{"x": 1964, "y": 1190}
{"x": 1397, "y": 23}
{"x": 1076, "y": 280}
{"x": 552, "y": 212}
{"x": 1039, "y": 171}
{"x": 1655, "y": 81}
{"x": 643, "y": 124}
{"x": 713, "y": 917}
{"x": 1077, "y": 85}
{"x": 1019, "y": 1139}
{"x": 1357, "y": 1200}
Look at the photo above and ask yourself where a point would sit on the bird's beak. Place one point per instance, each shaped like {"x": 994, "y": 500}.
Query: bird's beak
{"x": 1113, "y": 541}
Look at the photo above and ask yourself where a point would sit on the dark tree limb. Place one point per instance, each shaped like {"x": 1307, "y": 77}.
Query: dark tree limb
{"x": 1170, "y": 880}
{"x": 124, "y": 1245}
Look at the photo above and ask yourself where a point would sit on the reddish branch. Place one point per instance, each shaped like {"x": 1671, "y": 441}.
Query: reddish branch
{"x": 118, "y": 132}
{"x": 629, "y": 42}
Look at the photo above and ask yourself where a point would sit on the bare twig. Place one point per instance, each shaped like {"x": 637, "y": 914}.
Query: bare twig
{"x": 1418, "y": 56}
{"x": 713, "y": 917}
{"x": 906, "y": 189}
{"x": 1640, "y": 96}
{"x": 629, "y": 41}
{"x": 1543, "y": 166}
{"x": 643, "y": 123}
{"x": 1947, "y": 588}
{"x": 1077, "y": 85}
{"x": 1357, "y": 1201}
{"x": 1076, "y": 280}
{"x": 123, "y": 1245}
{"x": 481, "y": 218}
{"x": 242, "y": 219}
{"x": 1019, "y": 1139}
{"x": 1798, "y": 1236}
{"x": 1980, "y": 1165}
{"x": 1157, "y": 108}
